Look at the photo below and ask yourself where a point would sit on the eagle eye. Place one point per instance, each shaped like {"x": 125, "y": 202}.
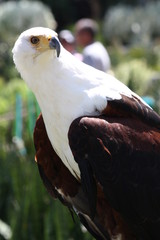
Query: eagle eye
{"x": 34, "y": 40}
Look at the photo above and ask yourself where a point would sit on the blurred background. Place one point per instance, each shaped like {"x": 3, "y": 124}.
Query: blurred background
{"x": 130, "y": 31}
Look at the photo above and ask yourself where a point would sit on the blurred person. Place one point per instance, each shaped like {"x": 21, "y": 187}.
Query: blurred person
{"x": 68, "y": 42}
{"x": 94, "y": 53}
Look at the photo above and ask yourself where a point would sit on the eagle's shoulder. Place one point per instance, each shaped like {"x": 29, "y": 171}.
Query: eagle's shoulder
{"x": 132, "y": 107}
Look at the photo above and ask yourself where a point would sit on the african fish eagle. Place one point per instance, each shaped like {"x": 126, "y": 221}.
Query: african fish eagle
{"x": 97, "y": 143}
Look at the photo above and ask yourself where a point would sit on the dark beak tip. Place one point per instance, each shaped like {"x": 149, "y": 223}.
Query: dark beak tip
{"x": 55, "y": 44}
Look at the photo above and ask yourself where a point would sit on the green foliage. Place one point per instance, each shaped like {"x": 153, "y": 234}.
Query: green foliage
{"x": 8, "y": 92}
{"x": 15, "y": 17}
{"x": 153, "y": 89}
{"x": 138, "y": 68}
{"x": 135, "y": 74}
{"x": 128, "y": 25}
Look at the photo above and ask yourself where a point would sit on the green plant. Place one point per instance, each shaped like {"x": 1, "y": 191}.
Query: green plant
{"x": 135, "y": 74}
{"x": 16, "y": 17}
{"x": 133, "y": 25}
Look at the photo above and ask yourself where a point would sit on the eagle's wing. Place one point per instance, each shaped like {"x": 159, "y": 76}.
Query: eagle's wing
{"x": 120, "y": 149}
{"x": 61, "y": 184}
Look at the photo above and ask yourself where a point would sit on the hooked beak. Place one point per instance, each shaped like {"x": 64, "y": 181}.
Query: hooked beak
{"x": 54, "y": 44}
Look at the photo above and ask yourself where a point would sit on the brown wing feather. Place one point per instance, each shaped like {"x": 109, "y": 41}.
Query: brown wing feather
{"x": 124, "y": 126}
{"x": 107, "y": 222}
{"x": 134, "y": 108}
{"x": 122, "y": 147}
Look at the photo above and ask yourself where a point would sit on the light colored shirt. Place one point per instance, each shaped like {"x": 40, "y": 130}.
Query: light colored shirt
{"x": 97, "y": 56}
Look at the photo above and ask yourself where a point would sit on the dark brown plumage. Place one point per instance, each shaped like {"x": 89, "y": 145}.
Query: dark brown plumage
{"x": 118, "y": 154}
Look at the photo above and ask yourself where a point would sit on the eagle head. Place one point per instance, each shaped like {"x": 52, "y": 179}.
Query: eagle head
{"x": 35, "y": 47}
